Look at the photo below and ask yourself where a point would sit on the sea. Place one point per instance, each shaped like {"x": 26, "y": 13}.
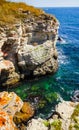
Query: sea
{"x": 46, "y": 92}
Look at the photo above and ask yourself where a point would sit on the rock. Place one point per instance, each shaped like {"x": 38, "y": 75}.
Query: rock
{"x": 22, "y": 127}
{"x": 6, "y": 121}
{"x": 10, "y": 103}
{"x": 65, "y": 117}
{"x": 60, "y": 39}
{"x": 46, "y": 68}
{"x": 66, "y": 110}
{"x": 25, "y": 113}
{"x": 29, "y": 48}
{"x": 36, "y": 124}
{"x": 75, "y": 97}
{"x": 8, "y": 76}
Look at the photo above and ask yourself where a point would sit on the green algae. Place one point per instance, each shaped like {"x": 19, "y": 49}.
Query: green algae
{"x": 75, "y": 119}
{"x": 56, "y": 125}
{"x": 46, "y": 89}
{"x": 75, "y": 113}
{"x": 46, "y": 123}
{"x": 51, "y": 97}
{"x": 42, "y": 104}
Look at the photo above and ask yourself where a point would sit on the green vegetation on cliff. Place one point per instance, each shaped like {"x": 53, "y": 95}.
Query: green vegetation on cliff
{"x": 11, "y": 12}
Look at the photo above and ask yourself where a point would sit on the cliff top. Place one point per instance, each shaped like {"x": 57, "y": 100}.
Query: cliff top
{"x": 11, "y": 12}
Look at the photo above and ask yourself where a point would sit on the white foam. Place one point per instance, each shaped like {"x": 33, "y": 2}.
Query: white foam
{"x": 59, "y": 98}
{"x": 76, "y": 73}
{"x": 63, "y": 59}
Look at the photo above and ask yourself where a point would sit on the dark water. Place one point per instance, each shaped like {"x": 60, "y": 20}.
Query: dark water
{"x": 52, "y": 89}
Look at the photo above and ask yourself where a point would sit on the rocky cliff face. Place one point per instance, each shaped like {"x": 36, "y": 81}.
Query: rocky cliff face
{"x": 27, "y": 48}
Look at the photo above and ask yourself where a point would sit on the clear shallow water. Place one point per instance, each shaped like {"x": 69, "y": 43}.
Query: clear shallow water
{"x": 52, "y": 89}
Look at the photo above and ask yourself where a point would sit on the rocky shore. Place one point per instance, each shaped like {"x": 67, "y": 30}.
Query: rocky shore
{"x": 18, "y": 115}
{"x": 28, "y": 48}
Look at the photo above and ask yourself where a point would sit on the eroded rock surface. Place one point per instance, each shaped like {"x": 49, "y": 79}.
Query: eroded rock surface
{"x": 13, "y": 111}
{"x": 6, "y": 121}
{"x": 10, "y": 103}
{"x": 28, "y": 49}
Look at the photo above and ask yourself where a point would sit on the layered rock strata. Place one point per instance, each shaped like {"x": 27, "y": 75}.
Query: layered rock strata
{"x": 28, "y": 48}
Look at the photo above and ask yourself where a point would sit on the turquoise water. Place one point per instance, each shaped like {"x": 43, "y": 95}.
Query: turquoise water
{"x": 48, "y": 91}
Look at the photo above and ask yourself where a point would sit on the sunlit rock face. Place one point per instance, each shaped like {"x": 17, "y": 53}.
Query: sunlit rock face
{"x": 10, "y": 103}
{"x": 6, "y": 121}
{"x": 13, "y": 111}
{"x": 28, "y": 49}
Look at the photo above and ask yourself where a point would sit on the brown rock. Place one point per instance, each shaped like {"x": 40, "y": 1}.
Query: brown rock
{"x": 8, "y": 76}
{"x": 25, "y": 113}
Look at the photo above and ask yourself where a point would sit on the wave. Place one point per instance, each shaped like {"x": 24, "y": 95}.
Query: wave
{"x": 76, "y": 73}
{"x": 62, "y": 59}
{"x": 72, "y": 27}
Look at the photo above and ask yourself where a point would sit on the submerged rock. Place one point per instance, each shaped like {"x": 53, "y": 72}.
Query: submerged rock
{"x": 60, "y": 39}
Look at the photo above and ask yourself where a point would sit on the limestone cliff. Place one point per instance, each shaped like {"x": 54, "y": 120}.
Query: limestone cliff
{"x": 27, "y": 47}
